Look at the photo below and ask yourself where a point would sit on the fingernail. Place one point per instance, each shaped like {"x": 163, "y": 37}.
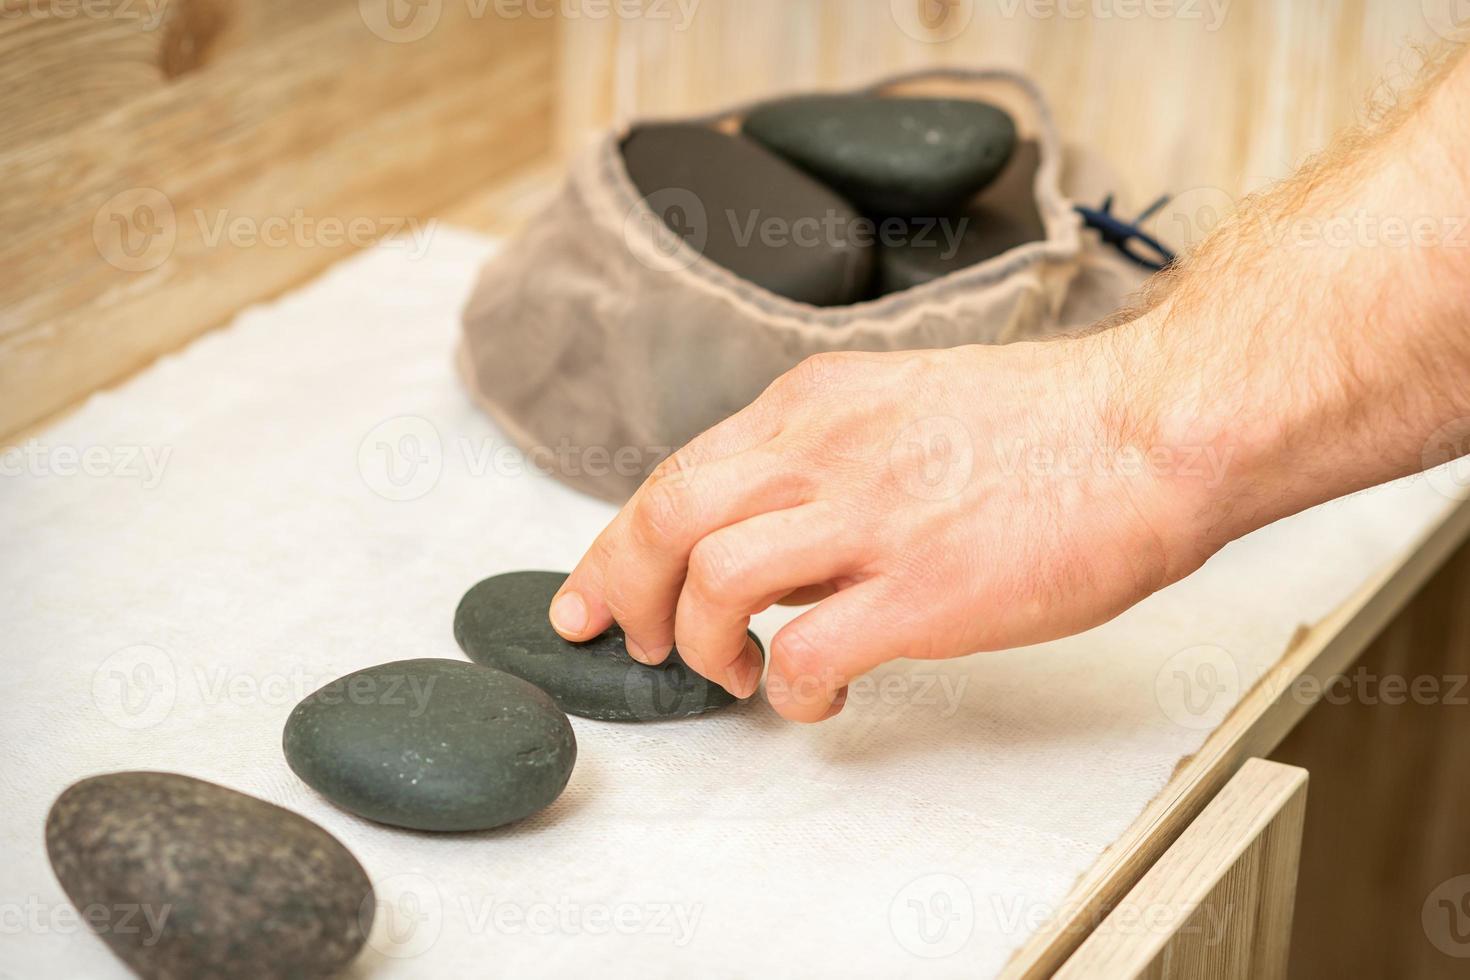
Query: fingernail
{"x": 569, "y": 613}
{"x": 635, "y": 650}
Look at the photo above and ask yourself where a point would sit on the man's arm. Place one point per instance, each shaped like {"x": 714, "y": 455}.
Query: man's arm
{"x": 944, "y": 502}
{"x": 1322, "y": 334}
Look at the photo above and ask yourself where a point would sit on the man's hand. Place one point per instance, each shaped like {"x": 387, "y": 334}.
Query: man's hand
{"x": 937, "y": 502}
{"x": 943, "y": 502}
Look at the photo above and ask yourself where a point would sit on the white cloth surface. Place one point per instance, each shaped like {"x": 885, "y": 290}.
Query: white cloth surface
{"x": 168, "y": 615}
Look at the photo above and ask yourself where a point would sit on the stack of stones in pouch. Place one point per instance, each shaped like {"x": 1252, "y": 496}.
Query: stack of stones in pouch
{"x": 903, "y": 190}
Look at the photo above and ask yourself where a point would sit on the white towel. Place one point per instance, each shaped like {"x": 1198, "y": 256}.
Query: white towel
{"x": 309, "y": 491}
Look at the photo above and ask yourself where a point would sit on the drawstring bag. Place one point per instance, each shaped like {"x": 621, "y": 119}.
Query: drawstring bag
{"x": 601, "y": 341}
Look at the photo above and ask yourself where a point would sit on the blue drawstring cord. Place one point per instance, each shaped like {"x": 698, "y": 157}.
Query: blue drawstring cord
{"x": 1121, "y": 234}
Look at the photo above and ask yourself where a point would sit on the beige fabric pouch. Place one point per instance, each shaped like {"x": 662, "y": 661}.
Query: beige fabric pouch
{"x": 601, "y": 341}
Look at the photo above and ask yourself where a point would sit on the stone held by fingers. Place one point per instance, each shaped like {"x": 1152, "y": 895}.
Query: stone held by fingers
{"x": 502, "y": 622}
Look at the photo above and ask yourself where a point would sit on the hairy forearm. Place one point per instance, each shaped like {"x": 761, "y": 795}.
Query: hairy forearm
{"x": 1319, "y": 339}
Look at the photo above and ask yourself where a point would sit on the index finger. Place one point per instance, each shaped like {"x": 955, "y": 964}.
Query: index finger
{"x": 580, "y": 610}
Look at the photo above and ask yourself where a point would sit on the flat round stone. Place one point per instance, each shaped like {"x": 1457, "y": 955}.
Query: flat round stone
{"x": 744, "y": 208}
{"x": 432, "y": 745}
{"x": 1001, "y": 218}
{"x": 906, "y": 157}
{"x": 502, "y": 622}
{"x": 204, "y": 881}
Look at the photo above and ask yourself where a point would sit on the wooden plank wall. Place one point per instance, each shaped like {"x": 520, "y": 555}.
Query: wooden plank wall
{"x": 1212, "y": 94}
{"x": 164, "y": 163}
{"x": 261, "y": 109}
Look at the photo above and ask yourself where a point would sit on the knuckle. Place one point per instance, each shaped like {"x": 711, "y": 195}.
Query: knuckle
{"x": 641, "y": 616}
{"x": 810, "y": 374}
{"x": 603, "y": 551}
{"x": 819, "y": 371}
{"x": 664, "y": 512}
{"x": 716, "y": 569}
{"x": 798, "y": 655}
{"x": 669, "y": 469}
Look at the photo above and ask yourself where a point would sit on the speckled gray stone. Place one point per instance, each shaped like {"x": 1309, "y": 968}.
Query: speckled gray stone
{"x": 905, "y": 157}
{"x": 186, "y": 879}
{"x": 502, "y": 622}
{"x": 432, "y": 745}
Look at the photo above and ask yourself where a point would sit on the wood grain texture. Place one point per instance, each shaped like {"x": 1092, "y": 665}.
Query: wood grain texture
{"x": 64, "y": 62}
{"x": 1385, "y": 883}
{"x": 1219, "y": 96}
{"x": 292, "y": 141}
{"x": 504, "y": 206}
{"x": 1218, "y": 904}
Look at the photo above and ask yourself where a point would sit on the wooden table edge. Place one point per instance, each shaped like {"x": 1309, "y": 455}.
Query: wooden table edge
{"x": 1267, "y": 712}
{"x": 1234, "y": 868}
